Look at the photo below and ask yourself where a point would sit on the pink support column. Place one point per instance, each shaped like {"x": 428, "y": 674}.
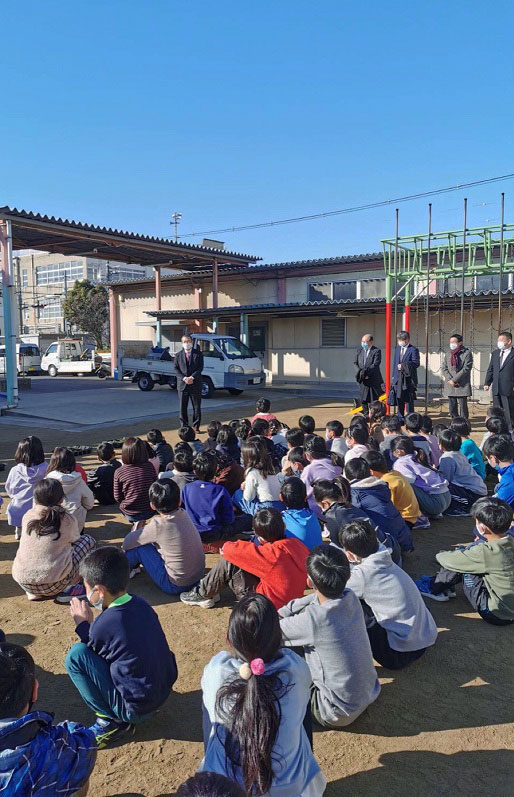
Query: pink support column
{"x": 281, "y": 290}
{"x": 114, "y": 332}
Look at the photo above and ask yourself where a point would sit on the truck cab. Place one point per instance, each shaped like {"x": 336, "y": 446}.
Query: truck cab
{"x": 228, "y": 364}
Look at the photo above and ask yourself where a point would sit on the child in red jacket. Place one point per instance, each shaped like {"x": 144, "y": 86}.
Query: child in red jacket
{"x": 276, "y": 568}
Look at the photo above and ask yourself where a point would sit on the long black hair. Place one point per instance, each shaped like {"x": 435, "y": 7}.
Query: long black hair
{"x": 48, "y": 493}
{"x": 316, "y": 448}
{"x": 250, "y": 709}
{"x": 255, "y": 455}
{"x": 30, "y": 452}
{"x": 337, "y": 490}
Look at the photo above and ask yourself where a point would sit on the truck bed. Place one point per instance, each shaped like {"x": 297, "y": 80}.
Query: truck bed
{"x": 165, "y": 367}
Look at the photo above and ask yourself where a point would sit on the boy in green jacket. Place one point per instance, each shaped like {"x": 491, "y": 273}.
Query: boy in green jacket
{"x": 485, "y": 568}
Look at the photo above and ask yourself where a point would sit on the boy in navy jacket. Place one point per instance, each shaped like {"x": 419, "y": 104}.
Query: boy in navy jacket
{"x": 208, "y": 505}
{"x": 101, "y": 479}
{"x": 122, "y": 667}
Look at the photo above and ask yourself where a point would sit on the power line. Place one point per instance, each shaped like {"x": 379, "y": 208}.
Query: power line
{"x": 355, "y": 209}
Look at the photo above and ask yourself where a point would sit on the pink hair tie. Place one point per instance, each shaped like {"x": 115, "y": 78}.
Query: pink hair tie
{"x": 257, "y": 666}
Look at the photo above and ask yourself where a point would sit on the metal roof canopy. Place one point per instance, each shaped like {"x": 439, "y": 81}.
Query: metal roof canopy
{"x": 56, "y": 235}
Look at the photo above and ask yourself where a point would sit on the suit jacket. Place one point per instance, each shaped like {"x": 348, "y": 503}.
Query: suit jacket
{"x": 368, "y": 374}
{"x": 460, "y": 374}
{"x": 501, "y": 380}
{"x": 406, "y": 379}
{"x": 194, "y": 368}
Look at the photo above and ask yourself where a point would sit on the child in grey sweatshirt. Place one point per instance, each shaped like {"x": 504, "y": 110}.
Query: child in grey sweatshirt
{"x": 330, "y": 626}
{"x": 399, "y": 625}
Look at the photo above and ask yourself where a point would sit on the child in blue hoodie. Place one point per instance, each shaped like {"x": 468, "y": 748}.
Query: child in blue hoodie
{"x": 499, "y": 452}
{"x": 299, "y": 521}
{"x": 374, "y": 496}
{"x": 59, "y": 757}
{"x": 208, "y": 505}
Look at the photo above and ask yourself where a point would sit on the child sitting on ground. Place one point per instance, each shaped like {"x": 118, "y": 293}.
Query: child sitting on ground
{"x": 465, "y": 485}
{"x": 209, "y": 784}
{"x": 51, "y": 548}
{"x": 334, "y": 434}
{"x": 322, "y": 465}
{"x": 402, "y": 494}
{"x": 212, "y": 433}
{"x": 412, "y": 424}
{"x": 357, "y": 437}
{"x": 376, "y": 414}
{"x": 374, "y": 496}
{"x": 263, "y": 744}
{"x": 427, "y": 431}
{"x": 278, "y": 432}
{"x": 499, "y": 452}
{"x": 499, "y": 424}
{"x": 275, "y": 568}
{"x": 485, "y": 568}
{"x": 242, "y": 431}
{"x": 101, "y": 479}
{"x": 400, "y": 627}
{"x": 329, "y": 625}
{"x": 29, "y": 469}
{"x": 430, "y": 487}
{"x": 468, "y": 446}
{"x": 58, "y": 758}
{"x": 307, "y": 424}
{"x": 262, "y": 406}
{"x": 295, "y": 463}
{"x": 300, "y": 522}
{"x": 391, "y": 429}
{"x": 78, "y": 498}
{"x": 208, "y": 505}
{"x": 182, "y": 471}
{"x": 294, "y": 439}
{"x": 161, "y": 448}
{"x": 122, "y": 666}
{"x": 188, "y": 435}
{"x": 261, "y": 487}
{"x": 335, "y": 501}
{"x": 169, "y": 546}
{"x": 229, "y": 473}
{"x": 227, "y": 443}
{"x": 132, "y": 481}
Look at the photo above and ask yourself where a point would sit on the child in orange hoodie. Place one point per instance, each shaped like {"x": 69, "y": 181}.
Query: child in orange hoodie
{"x": 276, "y": 568}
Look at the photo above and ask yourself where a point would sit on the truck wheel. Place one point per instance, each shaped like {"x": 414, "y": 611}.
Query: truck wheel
{"x": 207, "y": 387}
{"x": 234, "y": 391}
{"x": 52, "y": 370}
{"x": 172, "y": 383}
{"x": 145, "y": 382}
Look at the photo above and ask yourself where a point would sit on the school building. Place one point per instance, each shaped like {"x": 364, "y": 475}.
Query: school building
{"x": 305, "y": 319}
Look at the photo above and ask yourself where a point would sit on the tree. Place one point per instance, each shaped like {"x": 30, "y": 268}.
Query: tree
{"x": 87, "y": 306}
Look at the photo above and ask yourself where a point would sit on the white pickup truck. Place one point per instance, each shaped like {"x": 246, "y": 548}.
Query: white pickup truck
{"x": 228, "y": 365}
{"x": 68, "y": 356}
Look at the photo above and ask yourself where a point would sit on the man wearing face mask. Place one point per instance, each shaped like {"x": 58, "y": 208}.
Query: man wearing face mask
{"x": 456, "y": 370}
{"x": 405, "y": 373}
{"x": 500, "y": 375}
{"x": 367, "y": 361}
{"x": 188, "y": 368}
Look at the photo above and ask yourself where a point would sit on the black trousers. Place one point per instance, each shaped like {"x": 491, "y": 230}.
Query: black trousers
{"x": 473, "y": 588}
{"x": 382, "y": 651}
{"x": 196, "y": 400}
{"x": 406, "y": 398}
{"x": 507, "y": 405}
{"x": 463, "y": 406}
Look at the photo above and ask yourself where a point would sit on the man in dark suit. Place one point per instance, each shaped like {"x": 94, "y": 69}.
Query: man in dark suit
{"x": 405, "y": 373}
{"x": 500, "y": 374}
{"x": 369, "y": 377}
{"x": 188, "y": 368}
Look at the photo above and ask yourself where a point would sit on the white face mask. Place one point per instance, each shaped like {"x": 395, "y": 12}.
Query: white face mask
{"x": 98, "y": 604}
{"x": 454, "y": 346}
{"x": 501, "y": 345}
{"x": 403, "y": 344}
{"x": 187, "y": 346}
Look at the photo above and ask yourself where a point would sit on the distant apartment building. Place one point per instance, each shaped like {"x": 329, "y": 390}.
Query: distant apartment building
{"x": 43, "y": 280}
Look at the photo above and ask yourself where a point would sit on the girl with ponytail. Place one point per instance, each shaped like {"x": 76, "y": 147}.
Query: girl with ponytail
{"x": 51, "y": 547}
{"x": 255, "y": 698}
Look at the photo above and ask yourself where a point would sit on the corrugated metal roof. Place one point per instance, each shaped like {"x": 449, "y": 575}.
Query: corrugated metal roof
{"x": 21, "y": 216}
{"x": 264, "y": 267}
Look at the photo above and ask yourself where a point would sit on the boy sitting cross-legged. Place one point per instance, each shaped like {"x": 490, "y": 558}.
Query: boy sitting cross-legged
{"x": 330, "y": 626}
{"x": 485, "y": 568}
{"x": 122, "y": 666}
{"x": 58, "y": 758}
{"x": 275, "y": 568}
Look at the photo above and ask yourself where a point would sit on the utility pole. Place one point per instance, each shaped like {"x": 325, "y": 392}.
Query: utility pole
{"x": 20, "y": 297}
{"x": 65, "y": 293}
{"x": 175, "y": 219}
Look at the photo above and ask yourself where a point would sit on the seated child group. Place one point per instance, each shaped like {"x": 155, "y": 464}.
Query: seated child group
{"x": 310, "y": 530}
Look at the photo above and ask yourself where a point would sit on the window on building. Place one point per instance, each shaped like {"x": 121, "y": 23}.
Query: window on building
{"x": 319, "y": 292}
{"x": 333, "y": 331}
{"x": 24, "y": 278}
{"x": 56, "y": 273}
{"x": 51, "y": 310}
{"x": 329, "y": 291}
{"x": 491, "y": 282}
{"x": 344, "y": 290}
{"x": 453, "y": 285}
{"x": 373, "y": 289}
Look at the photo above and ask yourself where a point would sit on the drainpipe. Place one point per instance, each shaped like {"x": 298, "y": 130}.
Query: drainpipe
{"x": 9, "y": 316}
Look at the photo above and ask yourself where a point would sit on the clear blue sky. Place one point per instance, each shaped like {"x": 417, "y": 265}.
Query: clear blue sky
{"x": 121, "y": 112}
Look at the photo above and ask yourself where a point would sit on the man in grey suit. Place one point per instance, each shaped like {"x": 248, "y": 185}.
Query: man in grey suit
{"x": 457, "y": 366}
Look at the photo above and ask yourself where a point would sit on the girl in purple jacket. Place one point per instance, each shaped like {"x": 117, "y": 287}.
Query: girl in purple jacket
{"x": 30, "y": 468}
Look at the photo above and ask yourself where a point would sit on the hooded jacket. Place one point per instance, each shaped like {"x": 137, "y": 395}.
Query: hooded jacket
{"x": 338, "y": 515}
{"x": 318, "y": 469}
{"x": 164, "y": 452}
{"x": 374, "y": 496}
{"x": 20, "y": 488}
{"x": 430, "y": 481}
{"x": 60, "y": 758}
{"x": 303, "y": 525}
{"x": 78, "y": 498}
{"x": 505, "y": 487}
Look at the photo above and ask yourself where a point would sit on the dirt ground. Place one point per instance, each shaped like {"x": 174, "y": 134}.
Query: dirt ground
{"x": 444, "y": 726}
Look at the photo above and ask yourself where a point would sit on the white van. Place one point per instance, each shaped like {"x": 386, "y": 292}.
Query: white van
{"x": 28, "y": 358}
{"x": 70, "y": 356}
{"x": 228, "y": 365}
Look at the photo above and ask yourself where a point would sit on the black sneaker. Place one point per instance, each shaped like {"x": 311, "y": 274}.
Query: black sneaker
{"x": 109, "y": 731}
{"x": 193, "y": 598}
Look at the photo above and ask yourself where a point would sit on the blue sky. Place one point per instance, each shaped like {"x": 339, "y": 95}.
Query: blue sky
{"x": 121, "y": 112}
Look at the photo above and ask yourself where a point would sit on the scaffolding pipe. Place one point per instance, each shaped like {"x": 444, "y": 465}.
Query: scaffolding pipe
{"x": 500, "y": 286}
{"x": 406, "y": 320}
{"x": 463, "y": 266}
{"x": 397, "y": 219}
{"x": 11, "y": 371}
{"x": 388, "y": 321}
{"x": 427, "y": 319}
